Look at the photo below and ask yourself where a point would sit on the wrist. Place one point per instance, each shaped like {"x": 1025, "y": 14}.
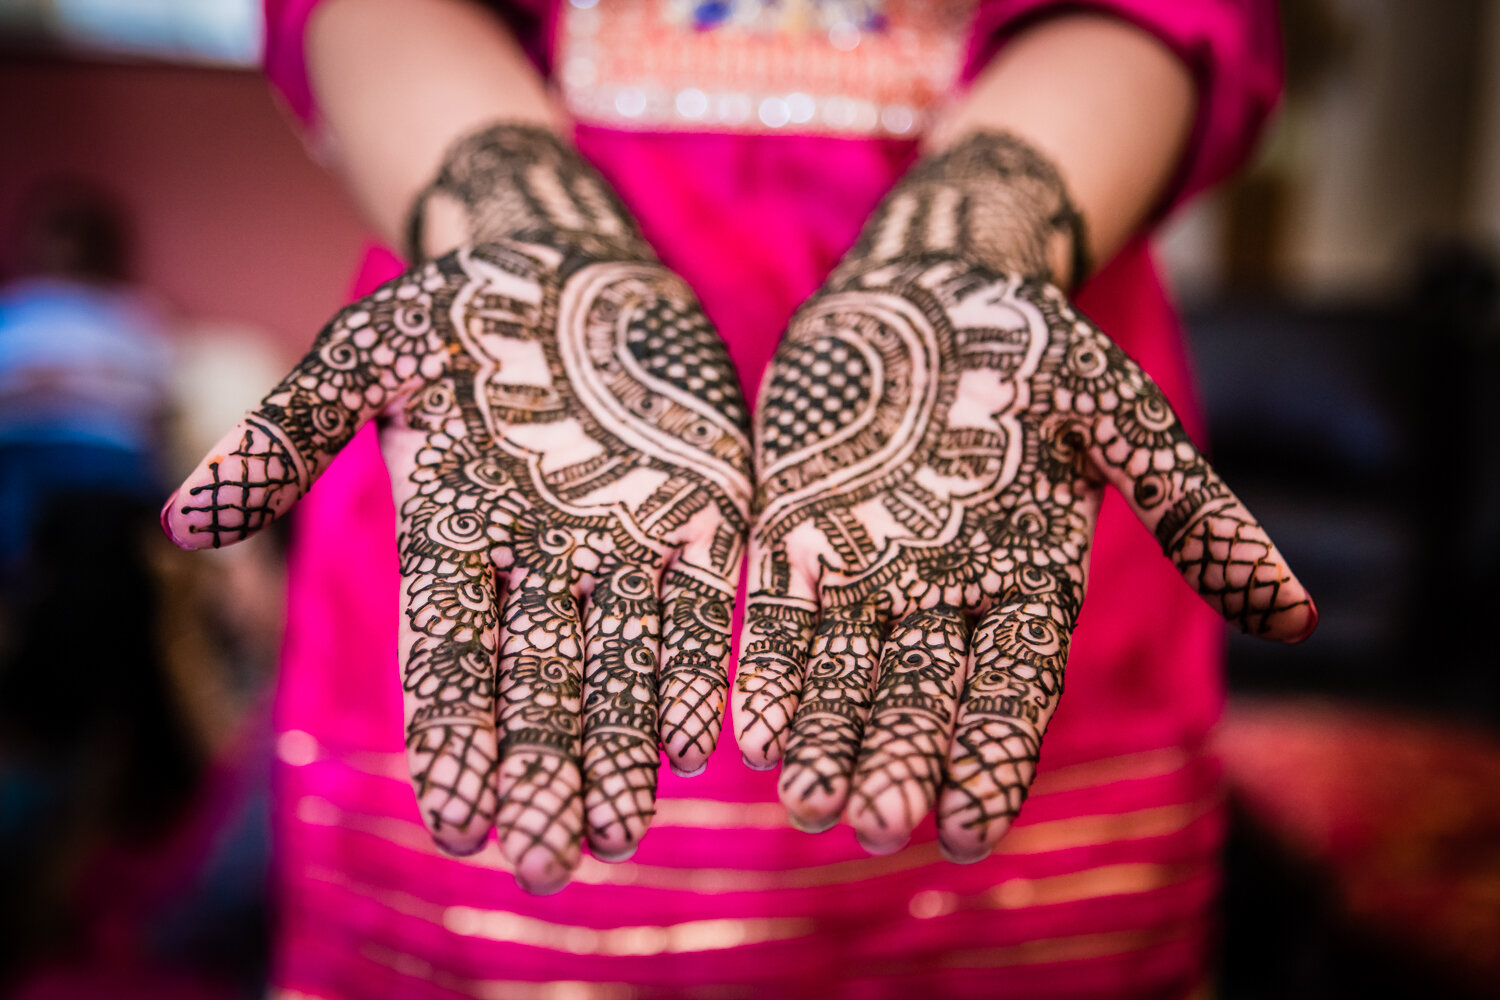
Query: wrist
{"x": 517, "y": 182}
{"x": 991, "y": 198}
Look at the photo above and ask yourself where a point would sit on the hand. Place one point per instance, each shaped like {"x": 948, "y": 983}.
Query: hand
{"x": 567, "y": 449}
{"x": 933, "y": 440}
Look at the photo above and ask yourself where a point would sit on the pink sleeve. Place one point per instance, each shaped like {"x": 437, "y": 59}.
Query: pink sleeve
{"x": 286, "y": 23}
{"x": 1233, "y": 48}
{"x": 286, "y": 26}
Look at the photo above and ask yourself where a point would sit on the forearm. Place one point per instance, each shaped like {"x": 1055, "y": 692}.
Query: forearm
{"x": 399, "y": 84}
{"x": 1104, "y": 104}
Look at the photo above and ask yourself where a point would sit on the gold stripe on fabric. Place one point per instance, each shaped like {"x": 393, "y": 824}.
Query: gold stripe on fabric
{"x": 493, "y": 989}
{"x": 617, "y": 942}
{"x": 1038, "y": 838}
{"x": 716, "y": 935}
{"x": 1108, "y": 770}
{"x": 710, "y": 814}
{"x": 1066, "y": 949}
{"x": 1085, "y": 831}
{"x": 512, "y": 989}
{"x": 613, "y": 942}
{"x": 1091, "y": 883}
{"x": 300, "y": 748}
{"x": 1070, "y": 887}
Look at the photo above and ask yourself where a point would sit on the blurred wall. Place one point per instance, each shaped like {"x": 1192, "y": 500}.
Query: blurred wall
{"x": 233, "y": 222}
{"x": 1386, "y": 137}
{"x": 1487, "y": 172}
{"x": 1387, "y": 142}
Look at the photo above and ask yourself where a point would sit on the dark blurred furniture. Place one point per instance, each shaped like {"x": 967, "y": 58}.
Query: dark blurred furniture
{"x": 1364, "y": 857}
{"x": 1364, "y": 765}
{"x": 1366, "y": 436}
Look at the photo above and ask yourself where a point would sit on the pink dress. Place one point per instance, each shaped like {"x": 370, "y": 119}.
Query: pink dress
{"x": 1106, "y": 885}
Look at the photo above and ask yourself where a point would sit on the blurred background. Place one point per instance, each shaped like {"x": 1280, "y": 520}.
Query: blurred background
{"x": 1343, "y": 302}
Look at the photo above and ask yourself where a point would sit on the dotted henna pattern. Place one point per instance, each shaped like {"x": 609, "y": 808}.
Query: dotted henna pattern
{"x": 570, "y": 458}
{"x": 932, "y": 444}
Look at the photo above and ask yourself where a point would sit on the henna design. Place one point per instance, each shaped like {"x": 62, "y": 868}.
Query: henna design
{"x": 901, "y": 761}
{"x": 695, "y": 645}
{"x": 540, "y": 786}
{"x": 564, "y": 430}
{"x": 514, "y": 182}
{"x": 833, "y": 709}
{"x": 931, "y": 446}
{"x": 992, "y": 198}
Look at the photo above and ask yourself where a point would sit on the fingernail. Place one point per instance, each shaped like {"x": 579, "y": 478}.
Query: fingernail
{"x": 959, "y": 858}
{"x": 614, "y": 858}
{"x": 881, "y": 845}
{"x": 461, "y": 849}
{"x": 811, "y": 825}
{"x": 688, "y": 774}
{"x": 544, "y": 888}
{"x": 752, "y": 765}
{"x": 166, "y": 511}
{"x": 1312, "y": 621}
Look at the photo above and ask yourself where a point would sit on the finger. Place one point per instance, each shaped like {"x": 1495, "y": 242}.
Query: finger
{"x": 906, "y": 743}
{"x": 623, "y": 634}
{"x": 1140, "y": 446}
{"x": 373, "y": 350}
{"x": 831, "y": 716}
{"x": 449, "y": 639}
{"x": 540, "y": 823}
{"x": 1013, "y": 685}
{"x": 696, "y": 621}
{"x": 779, "y": 617}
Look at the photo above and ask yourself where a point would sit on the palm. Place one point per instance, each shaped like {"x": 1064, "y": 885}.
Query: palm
{"x": 933, "y": 442}
{"x": 565, "y": 441}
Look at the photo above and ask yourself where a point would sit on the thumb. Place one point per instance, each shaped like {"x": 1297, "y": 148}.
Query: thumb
{"x": 372, "y": 351}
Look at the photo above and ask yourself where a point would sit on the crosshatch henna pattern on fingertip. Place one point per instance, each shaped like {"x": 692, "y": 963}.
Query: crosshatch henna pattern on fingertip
{"x": 932, "y": 443}
{"x": 570, "y": 459}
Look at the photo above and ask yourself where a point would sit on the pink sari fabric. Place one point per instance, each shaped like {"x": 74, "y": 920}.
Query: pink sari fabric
{"x": 1103, "y": 889}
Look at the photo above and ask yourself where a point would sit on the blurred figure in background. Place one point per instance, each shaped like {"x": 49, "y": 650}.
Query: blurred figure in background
{"x": 100, "y": 750}
{"x": 83, "y": 364}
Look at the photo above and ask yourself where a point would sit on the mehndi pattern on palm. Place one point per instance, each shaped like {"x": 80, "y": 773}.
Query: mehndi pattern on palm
{"x": 568, "y": 453}
{"x": 948, "y": 503}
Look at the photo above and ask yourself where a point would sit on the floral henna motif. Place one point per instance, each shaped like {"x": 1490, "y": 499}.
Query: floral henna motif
{"x": 831, "y": 714}
{"x": 1003, "y": 712}
{"x": 932, "y": 444}
{"x": 561, "y": 427}
{"x": 540, "y": 786}
{"x": 902, "y": 759}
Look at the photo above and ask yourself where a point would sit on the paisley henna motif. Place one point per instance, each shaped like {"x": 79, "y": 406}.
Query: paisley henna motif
{"x": 569, "y": 454}
{"x": 933, "y": 440}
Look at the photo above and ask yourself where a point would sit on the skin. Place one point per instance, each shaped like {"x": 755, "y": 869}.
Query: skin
{"x": 571, "y": 461}
{"x": 398, "y": 83}
{"x": 933, "y": 442}
{"x": 919, "y": 555}
{"x": 569, "y": 457}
